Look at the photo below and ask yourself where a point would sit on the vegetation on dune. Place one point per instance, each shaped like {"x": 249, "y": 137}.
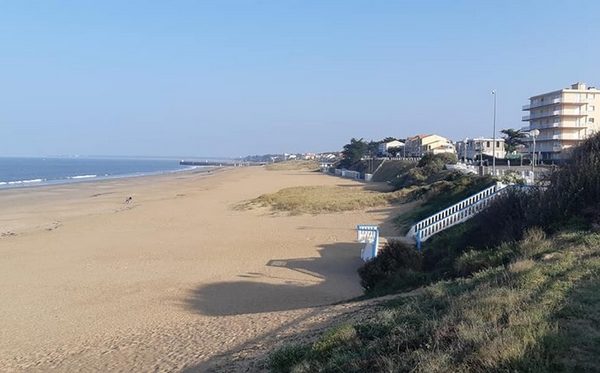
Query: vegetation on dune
{"x": 391, "y": 169}
{"x": 538, "y": 312}
{"x": 569, "y": 196}
{"x": 429, "y": 169}
{"x": 293, "y": 165}
{"x": 320, "y": 199}
{"x": 513, "y": 289}
{"x": 440, "y": 194}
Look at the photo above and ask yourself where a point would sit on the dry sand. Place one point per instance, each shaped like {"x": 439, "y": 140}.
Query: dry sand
{"x": 174, "y": 281}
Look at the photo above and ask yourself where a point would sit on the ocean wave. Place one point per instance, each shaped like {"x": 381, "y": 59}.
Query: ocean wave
{"x": 82, "y": 177}
{"x": 21, "y": 182}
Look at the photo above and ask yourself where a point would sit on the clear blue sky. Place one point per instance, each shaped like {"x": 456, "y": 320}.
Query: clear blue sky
{"x": 230, "y": 78}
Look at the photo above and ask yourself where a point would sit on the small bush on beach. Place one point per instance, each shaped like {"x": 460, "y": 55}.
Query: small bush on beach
{"x": 398, "y": 263}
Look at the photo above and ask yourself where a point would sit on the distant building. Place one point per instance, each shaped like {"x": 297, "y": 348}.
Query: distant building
{"x": 419, "y": 145}
{"x": 472, "y": 148}
{"x": 385, "y": 146}
{"x": 564, "y": 118}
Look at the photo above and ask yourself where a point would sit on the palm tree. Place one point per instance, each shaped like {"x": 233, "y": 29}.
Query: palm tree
{"x": 512, "y": 139}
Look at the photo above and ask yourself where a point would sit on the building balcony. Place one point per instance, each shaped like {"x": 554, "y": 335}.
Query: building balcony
{"x": 555, "y": 113}
{"x": 554, "y": 101}
{"x": 554, "y": 125}
{"x": 544, "y": 148}
{"x": 569, "y": 136}
{"x": 540, "y": 104}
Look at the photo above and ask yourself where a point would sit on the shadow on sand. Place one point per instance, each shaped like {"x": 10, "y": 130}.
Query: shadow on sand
{"x": 322, "y": 281}
{"x": 324, "y": 278}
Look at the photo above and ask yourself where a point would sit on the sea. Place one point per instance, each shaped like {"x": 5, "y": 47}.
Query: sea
{"x": 28, "y": 172}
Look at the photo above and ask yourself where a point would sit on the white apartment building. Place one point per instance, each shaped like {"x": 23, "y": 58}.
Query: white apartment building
{"x": 472, "y": 148}
{"x": 564, "y": 118}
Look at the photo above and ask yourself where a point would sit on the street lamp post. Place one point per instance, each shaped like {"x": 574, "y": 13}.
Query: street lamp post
{"x": 533, "y": 134}
{"x": 494, "y": 144}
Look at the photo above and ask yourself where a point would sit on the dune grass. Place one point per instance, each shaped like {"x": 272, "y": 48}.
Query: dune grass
{"x": 537, "y": 312}
{"x": 293, "y": 165}
{"x": 322, "y": 199}
{"x": 391, "y": 169}
{"x": 440, "y": 195}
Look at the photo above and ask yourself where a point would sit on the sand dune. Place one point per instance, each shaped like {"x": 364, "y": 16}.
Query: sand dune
{"x": 170, "y": 281}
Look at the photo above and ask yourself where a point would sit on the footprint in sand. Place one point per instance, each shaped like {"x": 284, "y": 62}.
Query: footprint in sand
{"x": 54, "y": 226}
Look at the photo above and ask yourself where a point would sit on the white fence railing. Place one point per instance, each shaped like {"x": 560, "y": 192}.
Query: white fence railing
{"x": 454, "y": 214}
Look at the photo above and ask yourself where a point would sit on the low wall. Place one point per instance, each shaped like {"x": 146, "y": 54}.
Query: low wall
{"x": 347, "y": 173}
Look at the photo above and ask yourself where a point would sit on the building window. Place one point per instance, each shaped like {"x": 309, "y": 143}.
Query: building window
{"x": 487, "y": 144}
{"x": 497, "y": 144}
{"x": 591, "y": 120}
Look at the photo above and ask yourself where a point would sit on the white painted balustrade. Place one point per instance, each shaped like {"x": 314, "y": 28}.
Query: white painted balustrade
{"x": 454, "y": 214}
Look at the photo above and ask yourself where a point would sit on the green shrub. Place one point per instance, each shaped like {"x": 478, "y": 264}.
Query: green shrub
{"x": 474, "y": 261}
{"x": 429, "y": 169}
{"x": 284, "y": 359}
{"x": 339, "y": 336}
{"x": 395, "y": 257}
{"x": 437, "y": 161}
{"x": 512, "y": 177}
{"x": 533, "y": 242}
{"x": 506, "y": 218}
{"x": 400, "y": 281}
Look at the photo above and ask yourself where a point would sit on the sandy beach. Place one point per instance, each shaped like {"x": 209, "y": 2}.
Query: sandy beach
{"x": 170, "y": 281}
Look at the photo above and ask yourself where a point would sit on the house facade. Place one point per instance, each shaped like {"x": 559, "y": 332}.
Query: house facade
{"x": 385, "y": 146}
{"x": 473, "y": 148}
{"x": 564, "y": 118}
{"x": 418, "y": 146}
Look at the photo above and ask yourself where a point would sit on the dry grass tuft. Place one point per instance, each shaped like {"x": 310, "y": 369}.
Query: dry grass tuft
{"x": 323, "y": 199}
{"x": 293, "y": 165}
